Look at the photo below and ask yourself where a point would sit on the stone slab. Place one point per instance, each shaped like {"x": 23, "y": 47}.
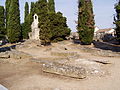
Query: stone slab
{"x": 62, "y": 69}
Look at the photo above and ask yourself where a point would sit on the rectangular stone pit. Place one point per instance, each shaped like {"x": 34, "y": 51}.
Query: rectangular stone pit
{"x": 65, "y": 70}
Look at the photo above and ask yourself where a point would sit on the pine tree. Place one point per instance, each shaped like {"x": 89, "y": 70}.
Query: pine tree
{"x": 58, "y": 27}
{"x": 117, "y": 21}
{"x": 7, "y": 6}
{"x": 51, "y": 5}
{"x": 85, "y": 21}
{"x": 26, "y": 10}
{"x": 2, "y": 23}
{"x": 52, "y": 25}
{"x": 44, "y": 23}
{"x": 13, "y": 27}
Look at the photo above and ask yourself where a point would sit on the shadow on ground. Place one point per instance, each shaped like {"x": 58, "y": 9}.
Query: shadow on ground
{"x": 106, "y": 46}
{"x": 76, "y": 41}
{"x": 4, "y": 49}
{"x": 8, "y": 48}
{"x": 103, "y": 45}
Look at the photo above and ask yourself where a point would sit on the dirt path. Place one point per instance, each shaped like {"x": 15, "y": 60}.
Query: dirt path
{"x": 29, "y": 76}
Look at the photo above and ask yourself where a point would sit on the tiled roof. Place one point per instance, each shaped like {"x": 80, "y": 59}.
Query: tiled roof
{"x": 103, "y": 30}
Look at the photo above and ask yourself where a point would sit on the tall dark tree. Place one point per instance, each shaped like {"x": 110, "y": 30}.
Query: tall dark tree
{"x": 13, "y": 27}
{"x": 26, "y": 10}
{"x": 44, "y": 23}
{"x": 32, "y": 12}
{"x": 32, "y": 7}
{"x": 85, "y": 21}
{"x": 7, "y": 6}
{"x": 51, "y": 5}
{"x": 58, "y": 27}
{"x": 26, "y": 28}
{"x": 2, "y": 23}
{"x": 117, "y": 20}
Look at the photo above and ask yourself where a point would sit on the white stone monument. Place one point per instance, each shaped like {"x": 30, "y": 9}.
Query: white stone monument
{"x": 34, "y": 35}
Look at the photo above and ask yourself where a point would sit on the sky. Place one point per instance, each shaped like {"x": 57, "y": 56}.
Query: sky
{"x": 103, "y": 11}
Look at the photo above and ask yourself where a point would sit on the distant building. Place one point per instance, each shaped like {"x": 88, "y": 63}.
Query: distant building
{"x": 101, "y": 34}
{"x": 96, "y": 29}
{"x": 73, "y": 35}
{"x": 106, "y": 31}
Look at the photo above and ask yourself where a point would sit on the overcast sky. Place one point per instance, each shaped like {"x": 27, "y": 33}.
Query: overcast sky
{"x": 103, "y": 11}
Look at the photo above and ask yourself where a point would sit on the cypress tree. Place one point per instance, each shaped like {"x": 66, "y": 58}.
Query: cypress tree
{"x": 2, "y": 23}
{"x": 32, "y": 12}
{"x": 51, "y": 5}
{"x": 25, "y": 26}
{"x": 7, "y": 6}
{"x": 26, "y": 10}
{"x": 117, "y": 21}
{"x": 23, "y": 33}
{"x": 13, "y": 27}
{"x": 44, "y": 23}
{"x": 58, "y": 27}
{"x": 32, "y": 7}
{"x": 85, "y": 21}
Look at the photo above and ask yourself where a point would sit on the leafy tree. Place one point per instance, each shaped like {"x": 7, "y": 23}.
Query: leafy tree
{"x": 44, "y": 23}
{"x": 58, "y": 27}
{"x": 51, "y": 5}
{"x": 2, "y": 23}
{"x": 26, "y": 10}
{"x": 85, "y": 21}
{"x": 117, "y": 21}
{"x": 13, "y": 27}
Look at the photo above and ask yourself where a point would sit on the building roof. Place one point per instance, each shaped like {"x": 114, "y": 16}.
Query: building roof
{"x": 104, "y": 30}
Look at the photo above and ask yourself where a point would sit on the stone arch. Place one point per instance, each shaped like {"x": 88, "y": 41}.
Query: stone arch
{"x": 35, "y": 17}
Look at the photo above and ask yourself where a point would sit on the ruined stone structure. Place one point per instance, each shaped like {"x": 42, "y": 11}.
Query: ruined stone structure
{"x": 34, "y": 35}
{"x": 73, "y": 35}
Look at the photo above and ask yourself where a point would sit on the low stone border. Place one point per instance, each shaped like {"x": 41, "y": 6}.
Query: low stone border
{"x": 62, "y": 69}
